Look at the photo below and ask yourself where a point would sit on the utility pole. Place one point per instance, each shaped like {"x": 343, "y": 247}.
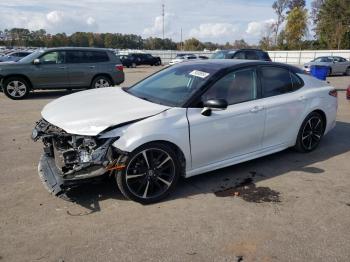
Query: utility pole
{"x": 181, "y": 41}
{"x": 163, "y": 15}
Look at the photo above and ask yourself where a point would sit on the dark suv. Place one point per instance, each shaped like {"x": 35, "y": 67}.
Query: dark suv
{"x": 144, "y": 59}
{"x": 61, "y": 68}
{"x": 249, "y": 54}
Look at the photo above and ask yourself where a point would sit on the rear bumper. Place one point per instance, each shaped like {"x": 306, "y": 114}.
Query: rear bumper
{"x": 118, "y": 78}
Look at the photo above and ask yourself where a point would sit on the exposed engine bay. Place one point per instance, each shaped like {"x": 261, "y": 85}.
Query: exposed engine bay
{"x": 75, "y": 157}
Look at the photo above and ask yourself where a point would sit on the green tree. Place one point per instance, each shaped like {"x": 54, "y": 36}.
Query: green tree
{"x": 193, "y": 44}
{"x": 279, "y": 6}
{"x": 238, "y": 44}
{"x": 333, "y": 24}
{"x": 296, "y": 27}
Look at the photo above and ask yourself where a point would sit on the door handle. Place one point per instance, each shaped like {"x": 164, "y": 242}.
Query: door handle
{"x": 62, "y": 67}
{"x": 91, "y": 67}
{"x": 256, "y": 109}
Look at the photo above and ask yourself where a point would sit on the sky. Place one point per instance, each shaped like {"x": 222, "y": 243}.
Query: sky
{"x": 218, "y": 21}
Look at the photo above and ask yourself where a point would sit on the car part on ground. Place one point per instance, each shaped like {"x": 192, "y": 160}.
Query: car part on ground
{"x": 152, "y": 133}
{"x": 62, "y": 68}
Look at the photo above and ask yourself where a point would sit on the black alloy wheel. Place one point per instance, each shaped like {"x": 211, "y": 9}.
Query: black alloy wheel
{"x": 150, "y": 174}
{"x": 310, "y": 133}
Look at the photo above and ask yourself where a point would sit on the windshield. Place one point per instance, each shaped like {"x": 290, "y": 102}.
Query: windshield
{"x": 31, "y": 57}
{"x": 172, "y": 86}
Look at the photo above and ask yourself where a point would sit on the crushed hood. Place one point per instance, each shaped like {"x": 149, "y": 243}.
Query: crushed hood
{"x": 92, "y": 111}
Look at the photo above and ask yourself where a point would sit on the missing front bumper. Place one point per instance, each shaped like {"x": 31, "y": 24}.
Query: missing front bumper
{"x": 52, "y": 178}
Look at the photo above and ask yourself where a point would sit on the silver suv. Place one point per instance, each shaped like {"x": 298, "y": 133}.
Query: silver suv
{"x": 61, "y": 68}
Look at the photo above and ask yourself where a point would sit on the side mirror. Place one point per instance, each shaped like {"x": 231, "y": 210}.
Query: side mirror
{"x": 36, "y": 61}
{"x": 213, "y": 104}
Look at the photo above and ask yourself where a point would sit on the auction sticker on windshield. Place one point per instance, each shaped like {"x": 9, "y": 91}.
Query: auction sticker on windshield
{"x": 200, "y": 74}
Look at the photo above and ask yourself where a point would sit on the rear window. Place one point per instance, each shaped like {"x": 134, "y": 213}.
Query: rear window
{"x": 264, "y": 56}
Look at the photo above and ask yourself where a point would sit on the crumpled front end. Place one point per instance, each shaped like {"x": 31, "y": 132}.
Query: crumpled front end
{"x": 70, "y": 159}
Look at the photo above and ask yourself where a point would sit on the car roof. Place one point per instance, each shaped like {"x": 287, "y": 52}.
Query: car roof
{"x": 77, "y": 49}
{"x": 220, "y": 64}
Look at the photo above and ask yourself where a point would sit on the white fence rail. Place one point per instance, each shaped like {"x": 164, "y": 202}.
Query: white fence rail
{"x": 289, "y": 57}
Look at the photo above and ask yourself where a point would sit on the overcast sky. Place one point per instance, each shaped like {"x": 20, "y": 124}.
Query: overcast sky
{"x": 216, "y": 20}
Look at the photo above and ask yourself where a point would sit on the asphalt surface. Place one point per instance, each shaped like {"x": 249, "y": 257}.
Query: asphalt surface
{"x": 284, "y": 207}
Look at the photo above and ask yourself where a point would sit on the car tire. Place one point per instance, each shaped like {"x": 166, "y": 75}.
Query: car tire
{"x": 101, "y": 82}
{"x": 151, "y": 173}
{"x": 16, "y": 88}
{"x": 310, "y": 133}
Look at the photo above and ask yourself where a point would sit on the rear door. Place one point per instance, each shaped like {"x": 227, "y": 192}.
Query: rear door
{"x": 51, "y": 72}
{"x": 340, "y": 65}
{"x": 81, "y": 68}
{"x": 284, "y": 105}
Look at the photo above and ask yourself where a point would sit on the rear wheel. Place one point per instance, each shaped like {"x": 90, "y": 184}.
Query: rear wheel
{"x": 310, "y": 133}
{"x": 151, "y": 173}
{"x": 16, "y": 88}
{"x": 347, "y": 71}
{"x": 100, "y": 82}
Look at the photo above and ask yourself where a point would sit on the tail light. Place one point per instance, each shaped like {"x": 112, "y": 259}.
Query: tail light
{"x": 333, "y": 93}
{"x": 119, "y": 68}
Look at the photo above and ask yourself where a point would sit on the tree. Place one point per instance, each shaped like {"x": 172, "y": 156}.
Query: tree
{"x": 279, "y": 7}
{"x": 296, "y": 27}
{"x": 238, "y": 44}
{"x": 296, "y": 3}
{"x": 193, "y": 44}
{"x": 333, "y": 24}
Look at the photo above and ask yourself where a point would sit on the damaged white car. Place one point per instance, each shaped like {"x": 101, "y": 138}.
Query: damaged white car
{"x": 182, "y": 121}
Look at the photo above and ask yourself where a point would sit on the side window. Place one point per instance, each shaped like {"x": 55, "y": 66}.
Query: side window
{"x": 75, "y": 57}
{"x": 96, "y": 56}
{"x": 251, "y": 55}
{"x": 236, "y": 87}
{"x": 239, "y": 55}
{"x": 297, "y": 82}
{"x": 52, "y": 58}
{"x": 275, "y": 81}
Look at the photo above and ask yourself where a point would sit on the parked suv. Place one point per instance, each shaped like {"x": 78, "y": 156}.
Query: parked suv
{"x": 249, "y": 54}
{"x": 145, "y": 59}
{"x": 61, "y": 68}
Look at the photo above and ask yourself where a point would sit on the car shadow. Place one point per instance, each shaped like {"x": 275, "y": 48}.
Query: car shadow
{"x": 335, "y": 143}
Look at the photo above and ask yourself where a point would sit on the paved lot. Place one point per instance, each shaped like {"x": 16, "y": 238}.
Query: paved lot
{"x": 294, "y": 207}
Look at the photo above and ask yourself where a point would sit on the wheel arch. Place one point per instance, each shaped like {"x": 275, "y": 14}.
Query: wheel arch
{"x": 104, "y": 75}
{"x": 4, "y": 78}
{"x": 177, "y": 149}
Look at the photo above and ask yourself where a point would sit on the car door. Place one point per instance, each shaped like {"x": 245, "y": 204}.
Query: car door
{"x": 229, "y": 133}
{"x": 81, "y": 68}
{"x": 340, "y": 64}
{"x": 284, "y": 105}
{"x": 51, "y": 72}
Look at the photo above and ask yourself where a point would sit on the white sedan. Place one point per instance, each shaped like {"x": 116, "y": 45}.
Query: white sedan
{"x": 185, "y": 120}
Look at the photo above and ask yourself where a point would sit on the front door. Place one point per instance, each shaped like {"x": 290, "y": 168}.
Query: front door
{"x": 229, "y": 133}
{"x": 51, "y": 72}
